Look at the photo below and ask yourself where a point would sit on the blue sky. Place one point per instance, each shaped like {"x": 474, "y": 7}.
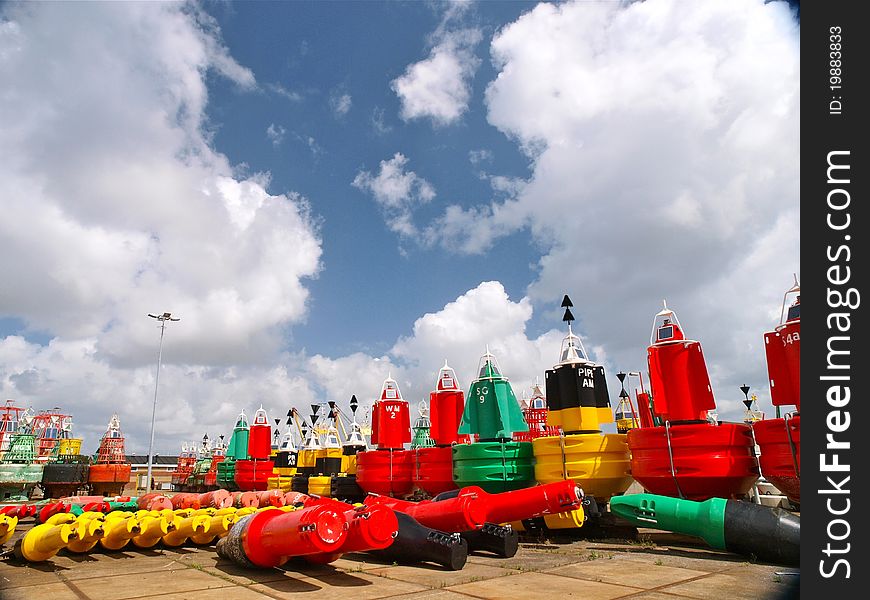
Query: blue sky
{"x": 330, "y": 192}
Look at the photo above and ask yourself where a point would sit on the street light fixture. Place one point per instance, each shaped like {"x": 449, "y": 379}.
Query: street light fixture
{"x": 162, "y": 318}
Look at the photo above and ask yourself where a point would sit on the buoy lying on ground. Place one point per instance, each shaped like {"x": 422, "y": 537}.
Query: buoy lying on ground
{"x": 769, "y": 534}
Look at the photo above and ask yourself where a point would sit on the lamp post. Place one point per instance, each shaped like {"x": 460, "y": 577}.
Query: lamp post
{"x": 162, "y": 318}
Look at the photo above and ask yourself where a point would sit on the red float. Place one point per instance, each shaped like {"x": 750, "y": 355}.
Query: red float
{"x": 253, "y": 473}
{"x": 780, "y": 459}
{"x": 271, "y": 537}
{"x": 369, "y": 528}
{"x": 391, "y": 421}
{"x": 446, "y": 404}
{"x": 779, "y": 439}
{"x": 433, "y": 469}
{"x": 708, "y": 460}
{"x": 386, "y": 472}
{"x": 389, "y": 470}
{"x": 471, "y": 506}
{"x": 687, "y": 453}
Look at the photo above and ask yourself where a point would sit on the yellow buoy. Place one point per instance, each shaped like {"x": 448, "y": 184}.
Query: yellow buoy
{"x": 219, "y": 526}
{"x": 185, "y": 528}
{"x": 566, "y": 520}
{"x": 120, "y": 528}
{"x": 599, "y": 463}
{"x": 44, "y": 541}
{"x": 7, "y": 527}
{"x": 90, "y": 531}
{"x": 153, "y": 529}
{"x": 320, "y": 486}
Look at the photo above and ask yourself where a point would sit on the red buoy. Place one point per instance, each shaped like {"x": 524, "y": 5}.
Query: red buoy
{"x": 686, "y": 453}
{"x": 433, "y": 469}
{"x": 779, "y": 439}
{"x": 446, "y": 403}
{"x": 260, "y": 436}
{"x": 391, "y": 421}
{"x": 271, "y": 537}
{"x": 389, "y": 470}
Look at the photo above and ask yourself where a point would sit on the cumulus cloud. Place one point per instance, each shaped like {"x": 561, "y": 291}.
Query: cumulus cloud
{"x": 439, "y": 87}
{"x": 397, "y": 191}
{"x": 116, "y": 205}
{"x": 663, "y": 137}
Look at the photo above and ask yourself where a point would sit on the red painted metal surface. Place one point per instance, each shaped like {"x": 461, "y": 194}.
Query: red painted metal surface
{"x": 259, "y": 438}
{"x": 253, "y": 475}
{"x": 109, "y": 473}
{"x": 271, "y": 498}
{"x": 216, "y": 499}
{"x": 391, "y": 422}
{"x": 708, "y": 460}
{"x": 780, "y": 461}
{"x": 433, "y": 469}
{"x": 186, "y": 501}
{"x": 643, "y": 410}
{"x": 154, "y": 501}
{"x": 446, "y": 403}
{"x": 680, "y": 384}
{"x": 386, "y": 472}
{"x": 783, "y": 350}
{"x": 471, "y": 507}
{"x": 245, "y": 499}
{"x": 369, "y": 528}
{"x": 274, "y": 536}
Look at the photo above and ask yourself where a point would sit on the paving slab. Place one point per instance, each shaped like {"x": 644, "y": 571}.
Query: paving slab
{"x": 623, "y": 570}
{"x": 527, "y": 560}
{"x": 439, "y": 577}
{"x": 148, "y": 585}
{"x": 739, "y": 583}
{"x": 101, "y": 565}
{"x": 534, "y": 585}
{"x": 56, "y": 591}
{"x": 341, "y": 586}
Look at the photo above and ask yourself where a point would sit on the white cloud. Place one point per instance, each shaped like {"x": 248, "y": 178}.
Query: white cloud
{"x": 663, "y": 137}
{"x": 340, "y": 104}
{"x": 439, "y": 87}
{"x": 276, "y": 134}
{"x": 116, "y": 205}
{"x": 379, "y": 124}
{"x": 479, "y": 156}
{"x": 397, "y": 191}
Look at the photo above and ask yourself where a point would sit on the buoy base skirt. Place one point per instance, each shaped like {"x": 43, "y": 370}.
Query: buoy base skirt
{"x": 709, "y": 461}
{"x": 433, "y": 471}
{"x": 778, "y": 465}
{"x": 386, "y": 472}
{"x": 599, "y": 463}
{"x": 494, "y": 466}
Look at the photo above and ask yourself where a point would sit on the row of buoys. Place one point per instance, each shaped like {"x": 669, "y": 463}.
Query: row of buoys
{"x": 117, "y": 529}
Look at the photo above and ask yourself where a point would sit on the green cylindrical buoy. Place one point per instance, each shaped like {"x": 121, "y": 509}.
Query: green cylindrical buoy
{"x": 769, "y": 534}
{"x": 494, "y": 466}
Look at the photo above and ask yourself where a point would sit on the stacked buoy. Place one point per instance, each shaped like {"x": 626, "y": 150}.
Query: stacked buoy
{"x": 237, "y": 449}
{"x": 433, "y": 465}
{"x": 492, "y": 414}
{"x": 578, "y": 403}
{"x": 687, "y": 453}
{"x": 388, "y": 470}
{"x": 780, "y": 439}
{"x": 111, "y": 471}
{"x": 252, "y": 473}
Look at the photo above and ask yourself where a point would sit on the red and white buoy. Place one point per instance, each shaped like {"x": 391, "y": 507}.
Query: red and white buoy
{"x": 780, "y": 439}
{"x": 687, "y": 453}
